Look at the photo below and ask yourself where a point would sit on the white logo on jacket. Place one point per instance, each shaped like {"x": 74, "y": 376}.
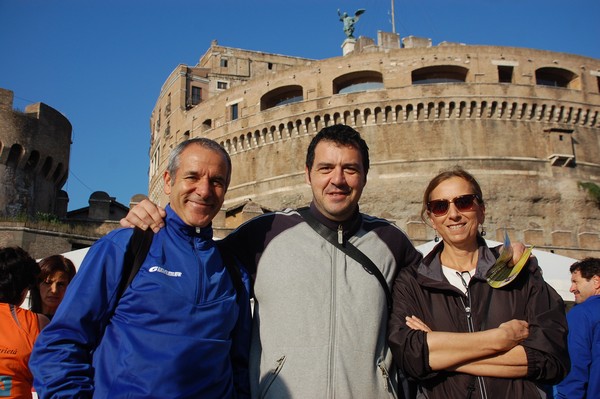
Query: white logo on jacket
{"x": 158, "y": 269}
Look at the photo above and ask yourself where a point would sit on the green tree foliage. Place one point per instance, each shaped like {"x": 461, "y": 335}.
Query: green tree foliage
{"x": 593, "y": 191}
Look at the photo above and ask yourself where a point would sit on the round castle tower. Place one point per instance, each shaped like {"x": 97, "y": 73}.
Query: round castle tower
{"x": 34, "y": 159}
{"x": 525, "y": 122}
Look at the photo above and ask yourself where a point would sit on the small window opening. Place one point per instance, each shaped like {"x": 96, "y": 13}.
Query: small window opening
{"x": 439, "y": 74}
{"x": 505, "y": 74}
{"x": 554, "y": 77}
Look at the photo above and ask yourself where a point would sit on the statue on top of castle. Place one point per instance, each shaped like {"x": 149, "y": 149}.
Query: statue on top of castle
{"x": 349, "y": 21}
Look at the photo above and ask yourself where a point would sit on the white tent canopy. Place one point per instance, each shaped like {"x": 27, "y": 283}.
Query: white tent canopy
{"x": 555, "y": 267}
{"x": 76, "y": 256}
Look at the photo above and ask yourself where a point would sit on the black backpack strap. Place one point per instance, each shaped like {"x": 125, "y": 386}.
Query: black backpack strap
{"x": 136, "y": 252}
{"x": 349, "y": 249}
{"x": 233, "y": 269}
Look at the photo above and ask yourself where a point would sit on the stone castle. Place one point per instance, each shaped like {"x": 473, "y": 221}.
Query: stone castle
{"x": 525, "y": 122}
{"x": 34, "y": 158}
{"x": 35, "y": 145}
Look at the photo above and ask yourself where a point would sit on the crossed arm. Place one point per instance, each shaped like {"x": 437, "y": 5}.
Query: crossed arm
{"x": 492, "y": 353}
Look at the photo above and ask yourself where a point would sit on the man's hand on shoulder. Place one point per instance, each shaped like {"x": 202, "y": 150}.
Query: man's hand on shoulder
{"x": 145, "y": 214}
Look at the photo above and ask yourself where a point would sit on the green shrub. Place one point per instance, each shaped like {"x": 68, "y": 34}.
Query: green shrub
{"x": 593, "y": 191}
{"x": 47, "y": 217}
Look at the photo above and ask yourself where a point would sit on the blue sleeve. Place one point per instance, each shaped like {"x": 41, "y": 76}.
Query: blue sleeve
{"x": 580, "y": 351}
{"x": 61, "y": 361}
{"x": 240, "y": 346}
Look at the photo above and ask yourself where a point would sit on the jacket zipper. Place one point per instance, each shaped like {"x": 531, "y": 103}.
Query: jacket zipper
{"x": 274, "y": 373}
{"x": 387, "y": 380}
{"x": 386, "y": 376}
{"x": 279, "y": 365}
{"x": 333, "y": 310}
{"x": 471, "y": 328}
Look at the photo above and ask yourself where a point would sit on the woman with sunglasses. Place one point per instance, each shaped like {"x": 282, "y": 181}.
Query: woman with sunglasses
{"x": 454, "y": 334}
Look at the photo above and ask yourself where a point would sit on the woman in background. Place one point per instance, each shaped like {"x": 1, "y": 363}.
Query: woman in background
{"x": 49, "y": 291}
{"x": 19, "y": 327}
{"x": 456, "y": 335}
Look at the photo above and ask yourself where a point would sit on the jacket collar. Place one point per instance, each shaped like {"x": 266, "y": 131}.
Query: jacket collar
{"x": 431, "y": 267}
{"x": 180, "y": 228}
{"x": 349, "y": 226}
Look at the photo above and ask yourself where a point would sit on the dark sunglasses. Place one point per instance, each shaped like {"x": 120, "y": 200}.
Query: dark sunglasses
{"x": 463, "y": 203}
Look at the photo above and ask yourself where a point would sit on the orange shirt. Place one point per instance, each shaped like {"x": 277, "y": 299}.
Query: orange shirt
{"x": 18, "y": 330}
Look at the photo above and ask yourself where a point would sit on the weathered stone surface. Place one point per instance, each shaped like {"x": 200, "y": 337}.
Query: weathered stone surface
{"x": 525, "y": 122}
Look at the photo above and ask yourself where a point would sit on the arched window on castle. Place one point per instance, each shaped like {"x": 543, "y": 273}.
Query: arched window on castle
{"x": 33, "y": 160}
{"x": 357, "y": 82}
{"x": 14, "y": 156}
{"x": 281, "y": 96}
{"x": 439, "y": 74}
{"x": 57, "y": 172}
{"x": 47, "y": 166}
{"x": 555, "y": 77}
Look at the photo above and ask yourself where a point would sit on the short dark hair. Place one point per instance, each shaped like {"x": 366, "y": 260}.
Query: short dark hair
{"x": 174, "y": 157}
{"x": 588, "y": 267}
{"x": 18, "y": 271}
{"x": 48, "y": 266}
{"x": 339, "y": 134}
{"x": 455, "y": 171}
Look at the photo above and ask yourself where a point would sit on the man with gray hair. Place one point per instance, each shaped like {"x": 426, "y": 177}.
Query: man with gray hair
{"x": 179, "y": 330}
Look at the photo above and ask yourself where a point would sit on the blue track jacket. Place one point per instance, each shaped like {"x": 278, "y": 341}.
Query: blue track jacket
{"x": 583, "y": 381}
{"x": 177, "y": 332}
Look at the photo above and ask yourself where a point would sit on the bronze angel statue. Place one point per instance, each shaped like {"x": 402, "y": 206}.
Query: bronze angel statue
{"x": 349, "y": 22}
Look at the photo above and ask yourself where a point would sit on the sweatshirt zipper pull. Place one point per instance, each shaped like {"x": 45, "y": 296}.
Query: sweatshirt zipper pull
{"x": 340, "y": 235}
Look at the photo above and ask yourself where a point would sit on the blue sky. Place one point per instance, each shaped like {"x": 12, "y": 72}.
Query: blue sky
{"x": 102, "y": 62}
